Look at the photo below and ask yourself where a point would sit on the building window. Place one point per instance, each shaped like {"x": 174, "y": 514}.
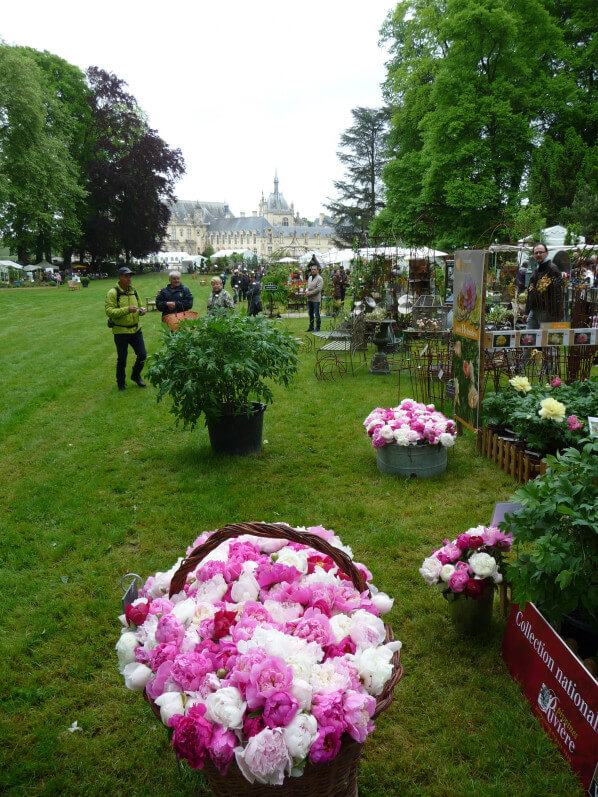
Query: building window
{"x": 285, "y": 222}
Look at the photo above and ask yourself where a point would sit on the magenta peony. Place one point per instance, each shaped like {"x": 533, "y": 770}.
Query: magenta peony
{"x": 192, "y": 735}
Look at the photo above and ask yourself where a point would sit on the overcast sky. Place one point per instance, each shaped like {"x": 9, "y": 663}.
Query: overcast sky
{"x": 242, "y": 88}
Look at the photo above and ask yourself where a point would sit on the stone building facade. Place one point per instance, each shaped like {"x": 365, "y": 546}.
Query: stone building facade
{"x": 272, "y": 229}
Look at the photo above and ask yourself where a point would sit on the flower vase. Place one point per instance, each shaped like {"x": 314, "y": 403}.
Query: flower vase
{"x": 421, "y": 461}
{"x": 472, "y": 616}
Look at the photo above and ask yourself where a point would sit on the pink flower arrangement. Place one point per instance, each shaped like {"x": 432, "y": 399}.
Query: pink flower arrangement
{"x": 409, "y": 424}
{"x": 468, "y": 565}
{"x": 266, "y": 657}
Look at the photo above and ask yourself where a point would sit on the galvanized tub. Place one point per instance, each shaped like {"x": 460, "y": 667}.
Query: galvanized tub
{"x": 419, "y": 461}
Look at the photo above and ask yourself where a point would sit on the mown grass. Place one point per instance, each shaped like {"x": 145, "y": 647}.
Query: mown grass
{"x": 95, "y": 483}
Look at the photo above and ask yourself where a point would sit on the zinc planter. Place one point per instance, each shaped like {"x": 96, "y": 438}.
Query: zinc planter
{"x": 471, "y": 616}
{"x": 421, "y": 461}
{"x": 238, "y": 435}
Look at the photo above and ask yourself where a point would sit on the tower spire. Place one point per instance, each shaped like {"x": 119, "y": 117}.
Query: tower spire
{"x": 276, "y": 182}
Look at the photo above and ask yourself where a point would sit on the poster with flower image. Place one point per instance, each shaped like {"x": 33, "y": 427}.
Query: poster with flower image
{"x": 468, "y": 321}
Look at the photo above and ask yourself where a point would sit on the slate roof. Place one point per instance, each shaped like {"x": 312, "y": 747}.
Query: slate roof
{"x": 183, "y": 210}
{"x": 241, "y": 224}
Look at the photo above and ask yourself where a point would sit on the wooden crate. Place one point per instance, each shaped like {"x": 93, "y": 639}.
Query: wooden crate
{"x": 510, "y": 455}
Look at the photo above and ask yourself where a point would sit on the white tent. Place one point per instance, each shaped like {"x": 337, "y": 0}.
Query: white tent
{"x": 5, "y": 266}
{"x": 247, "y": 253}
{"x": 554, "y": 237}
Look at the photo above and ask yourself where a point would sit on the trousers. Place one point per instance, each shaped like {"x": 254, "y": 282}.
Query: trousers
{"x": 313, "y": 308}
{"x": 122, "y": 343}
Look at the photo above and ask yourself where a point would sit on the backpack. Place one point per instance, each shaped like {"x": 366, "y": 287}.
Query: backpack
{"x": 110, "y": 323}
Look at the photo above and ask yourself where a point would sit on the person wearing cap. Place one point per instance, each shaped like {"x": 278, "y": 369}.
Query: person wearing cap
{"x": 123, "y": 308}
{"x": 315, "y": 283}
{"x": 175, "y": 297}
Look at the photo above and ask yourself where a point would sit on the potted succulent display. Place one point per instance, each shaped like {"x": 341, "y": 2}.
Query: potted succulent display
{"x": 556, "y": 532}
{"x": 411, "y": 439}
{"x": 222, "y": 366}
{"x": 466, "y": 571}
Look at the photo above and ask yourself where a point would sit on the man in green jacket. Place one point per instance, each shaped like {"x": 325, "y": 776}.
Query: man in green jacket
{"x": 123, "y": 308}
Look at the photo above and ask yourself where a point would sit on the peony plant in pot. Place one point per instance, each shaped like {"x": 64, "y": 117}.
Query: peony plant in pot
{"x": 223, "y": 366}
{"x": 556, "y": 534}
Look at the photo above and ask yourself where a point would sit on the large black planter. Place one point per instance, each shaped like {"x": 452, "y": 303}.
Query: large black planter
{"x": 585, "y": 635}
{"x": 238, "y": 435}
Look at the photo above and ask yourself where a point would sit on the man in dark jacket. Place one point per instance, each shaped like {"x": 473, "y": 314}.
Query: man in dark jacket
{"x": 545, "y": 290}
{"x": 235, "y": 283}
{"x": 175, "y": 297}
{"x": 244, "y": 284}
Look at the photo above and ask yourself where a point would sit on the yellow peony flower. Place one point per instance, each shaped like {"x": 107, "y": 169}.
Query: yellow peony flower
{"x": 552, "y": 410}
{"x": 521, "y": 384}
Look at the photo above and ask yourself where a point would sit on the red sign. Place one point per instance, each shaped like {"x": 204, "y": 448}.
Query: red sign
{"x": 562, "y": 693}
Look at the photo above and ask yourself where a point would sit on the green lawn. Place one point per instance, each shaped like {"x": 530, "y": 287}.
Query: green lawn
{"x": 95, "y": 483}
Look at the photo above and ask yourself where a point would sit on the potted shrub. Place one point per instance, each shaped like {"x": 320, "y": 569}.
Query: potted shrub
{"x": 411, "y": 439}
{"x": 556, "y": 531}
{"x": 85, "y": 281}
{"x": 222, "y": 366}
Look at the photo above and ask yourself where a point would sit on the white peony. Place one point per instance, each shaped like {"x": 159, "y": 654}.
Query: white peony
{"x": 125, "y": 649}
{"x": 300, "y": 734}
{"x": 296, "y": 652}
{"x": 383, "y": 602}
{"x": 374, "y": 667}
{"x": 302, "y": 692}
{"x": 483, "y": 565}
{"x": 387, "y": 433}
{"x": 212, "y": 590}
{"x": 184, "y": 610}
{"x": 161, "y": 582}
{"x": 446, "y": 572}
{"x": 326, "y": 677}
{"x": 447, "y": 440}
{"x": 170, "y": 703}
{"x": 340, "y": 625}
{"x": 292, "y": 558}
{"x": 226, "y": 707}
{"x": 401, "y": 437}
{"x": 366, "y": 629}
{"x": 137, "y": 676}
{"x": 430, "y": 570}
{"x": 245, "y": 588}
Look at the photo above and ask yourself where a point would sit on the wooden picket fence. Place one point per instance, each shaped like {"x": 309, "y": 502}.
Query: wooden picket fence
{"x": 510, "y": 455}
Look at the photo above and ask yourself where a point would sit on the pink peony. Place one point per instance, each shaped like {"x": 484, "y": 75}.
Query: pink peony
{"x": 222, "y": 623}
{"x": 161, "y": 606}
{"x": 266, "y": 677}
{"x": 573, "y": 423}
{"x": 170, "y": 630}
{"x": 192, "y": 735}
{"x": 189, "y": 669}
{"x": 495, "y": 538}
{"x": 280, "y": 709}
{"x": 162, "y": 653}
{"x": 556, "y": 382}
{"x": 358, "y": 710}
{"x": 137, "y": 613}
{"x": 222, "y": 748}
{"x": 265, "y": 758}
{"x": 313, "y": 627}
{"x": 327, "y": 708}
{"x": 346, "y": 645}
{"x": 475, "y": 587}
{"x": 458, "y": 581}
{"x": 268, "y": 574}
{"x": 156, "y": 686}
{"x": 253, "y": 725}
{"x": 326, "y": 745}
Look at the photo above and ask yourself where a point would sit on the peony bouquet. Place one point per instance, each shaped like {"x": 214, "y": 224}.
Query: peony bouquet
{"x": 265, "y": 653}
{"x": 468, "y": 565}
{"x": 411, "y": 423}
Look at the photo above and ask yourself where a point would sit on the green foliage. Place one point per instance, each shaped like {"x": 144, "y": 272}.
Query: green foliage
{"x": 363, "y": 153}
{"x": 222, "y": 363}
{"x": 467, "y": 97}
{"x": 558, "y": 570}
{"x": 279, "y": 275}
{"x": 510, "y": 409}
{"x": 528, "y": 220}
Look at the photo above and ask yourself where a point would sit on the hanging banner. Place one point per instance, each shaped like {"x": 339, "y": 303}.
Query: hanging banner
{"x": 562, "y": 693}
{"x": 469, "y": 303}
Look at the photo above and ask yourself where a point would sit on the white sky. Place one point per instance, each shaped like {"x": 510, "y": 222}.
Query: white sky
{"x": 241, "y": 87}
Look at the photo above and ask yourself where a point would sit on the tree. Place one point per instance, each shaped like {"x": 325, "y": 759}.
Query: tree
{"x": 363, "y": 152}
{"x": 131, "y": 174}
{"x": 40, "y": 185}
{"x": 467, "y": 93}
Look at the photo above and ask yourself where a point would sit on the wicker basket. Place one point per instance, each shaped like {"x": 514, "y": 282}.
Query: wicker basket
{"x": 336, "y": 778}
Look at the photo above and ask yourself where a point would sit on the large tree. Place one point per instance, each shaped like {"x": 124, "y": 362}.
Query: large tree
{"x": 131, "y": 174}
{"x": 40, "y": 181}
{"x": 363, "y": 153}
{"x": 467, "y": 86}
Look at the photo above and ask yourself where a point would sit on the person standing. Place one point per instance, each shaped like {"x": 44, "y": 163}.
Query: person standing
{"x": 244, "y": 284}
{"x": 123, "y": 308}
{"x": 235, "y": 283}
{"x": 344, "y": 283}
{"x": 254, "y": 302}
{"x": 219, "y": 298}
{"x": 174, "y": 297}
{"x": 545, "y": 291}
{"x": 315, "y": 283}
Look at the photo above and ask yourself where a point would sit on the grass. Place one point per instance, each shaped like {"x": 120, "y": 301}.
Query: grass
{"x": 95, "y": 483}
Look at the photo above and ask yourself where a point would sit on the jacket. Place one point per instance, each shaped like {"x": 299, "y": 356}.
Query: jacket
{"x": 221, "y": 300}
{"x": 181, "y": 296}
{"x": 117, "y": 308}
{"x": 314, "y": 288}
{"x": 545, "y": 291}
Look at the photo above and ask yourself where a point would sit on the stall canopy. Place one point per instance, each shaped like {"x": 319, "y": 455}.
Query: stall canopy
{"x": 247, "y": 253}
{"x": 43, "y": 264}
{"x": 11, "y": 264}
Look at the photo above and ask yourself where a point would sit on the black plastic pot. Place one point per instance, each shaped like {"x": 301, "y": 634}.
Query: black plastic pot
{"x": 585, "y": 635}
{"x": 238, "y": 435}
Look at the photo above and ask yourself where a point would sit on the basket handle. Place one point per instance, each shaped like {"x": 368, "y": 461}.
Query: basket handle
{"x": 271, "y": 531}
